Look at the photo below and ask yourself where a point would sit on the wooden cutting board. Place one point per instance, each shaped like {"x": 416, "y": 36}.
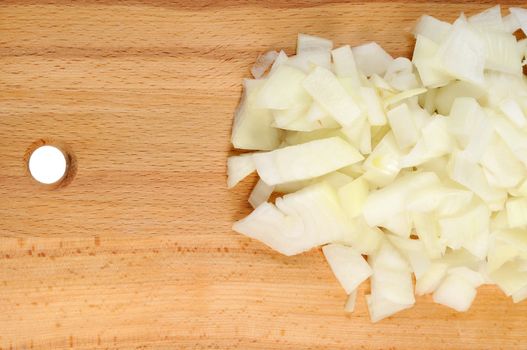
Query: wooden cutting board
{"x": 136, "y": 252}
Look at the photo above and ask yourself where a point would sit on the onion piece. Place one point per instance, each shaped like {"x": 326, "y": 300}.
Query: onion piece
{"x": 371, "y": 59}
{"x": 510, "y": 278}
{"x": 488, "y": 19}
{"x": 463, "y": 54}
{"x": 262, "y": 64}
{"x": 353, "y": 196}
{"x": 427, "y": 230}
{"x": 471, "y": 175}
{"x": 428, "y": 64}
{"x": 252, "y": 125}
{"x": 326, "y": 90}
{"x": 415, "y": 253}
{"x": 469, "y": 229}
{"x": 307, "y": 43}
{"x": 383, "y": 164}
{"x": 260, "y": 193}
{"x": 431, "y": 278}
{"x": 351, "y": 301}
{"x": 238, "y": 168}
{"x": 365, "y": 239}
{"x": 456, "y": 293}
{"x": 348, "y": 265}
{"x": 345, "y": 66}
{"x": 282, "y": 89}
{"x": 403, "y": 96}
{"x": 390, "y": 201}
{"x": 513, "y": 111}
{"x": 431, "y": 28}
{"x": 517, "y": 212}
{"x": 521, "y": 16}
{"x": 305, "y": 161}
{"x": 374, "y": 107}
{"x": 520, "y": 295}
{"x": 403, "y": 127}
{"x": 298, "y": 222}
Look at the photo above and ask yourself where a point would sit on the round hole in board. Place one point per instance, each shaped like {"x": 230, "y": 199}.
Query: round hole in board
{"x": 47, "y": 164}
{"x": 51, "y": 163}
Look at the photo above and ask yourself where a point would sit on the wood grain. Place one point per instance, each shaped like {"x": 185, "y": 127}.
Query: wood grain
{"x": 137, "y": 251}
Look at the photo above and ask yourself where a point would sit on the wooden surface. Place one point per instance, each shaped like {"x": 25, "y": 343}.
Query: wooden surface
{"x": 137, "y": 251}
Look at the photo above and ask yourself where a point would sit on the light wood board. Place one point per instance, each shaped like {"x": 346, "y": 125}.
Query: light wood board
{"x": 137, "y": 251}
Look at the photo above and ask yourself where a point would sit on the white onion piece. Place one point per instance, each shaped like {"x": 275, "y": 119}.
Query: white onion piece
{"x": 435, "y": 141}
{"x": 371, "y": 59}
{"x": 403, "y": 127}
{"x": 316, "y": 112}
{"x": 239, "y": 167}
{"x": 513, "y": 111}
{"x": 345, "y": 66}
{"x": 510, "y": 23}
{"x": 262, "y": 64}
{"x": 510, "y": 278}
{"x": 431, "y": 28}
{"x": 499, "y": 253}
{"x": 503, "y": 54}
{"x": 374, "y": 107}
{"x": 440, "y": 199}
{"x": 396, "y": 98}
{"x": 471, "y": 175}
{"x": 520, "y": 295}
{"x": 353, "y": 196}
{"x": 305, "y": 161}
{"x": 502, "y": 169}
{"x": 298, "y": 222}
{"x": 456, "y": 293}
{"x": 326, "y": 90}
{"x": 466, "y": 228}
{"x": 364, "y": 238}
{"x": 358, "y": 134}
{"x": 517, "y": 212}
{"x": 282, "y": 89}
{"x": 391, "y": 283}
{"x": 431, "y": 278}
{"x": 428, "y": 231}
{"x": 252, "y": 125}
{"x": 446, "y": 95}
{"x": 280, "y": 59}
{"x": 488, "y": 19}
{"x": 463, "y": 54}
{"x": 428, "y": 64}
{"x": 389, "y": 201}
{"x": 414, "y": 251}
{"x": 350, "y": 303}
{"x": 305, "y": 61}
{"x": 383, "y": 164}
{"x": 521, "y": 16}
{"x": 307, "y": 43}
{"x": 348, "y": 265}
{"x": 260, "y": 193}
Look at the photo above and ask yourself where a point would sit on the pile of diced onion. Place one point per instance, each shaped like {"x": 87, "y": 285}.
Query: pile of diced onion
{"x": 396, "y": 167}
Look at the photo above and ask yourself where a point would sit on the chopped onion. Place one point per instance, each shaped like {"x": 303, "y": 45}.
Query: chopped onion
{"x": 305, "y": 161}
{"x": 239, "y": 167}
{"x": 260, "y": 193}
{"x": 371, "y": 59}
{"x": 350, "y": 303}
{"x": 420, "y": 165}
{"x": 348, "y": 265}
{"x": 326, "y": 90}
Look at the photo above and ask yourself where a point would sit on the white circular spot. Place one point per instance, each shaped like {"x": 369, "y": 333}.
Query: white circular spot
{"x": 47, "y": 164}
